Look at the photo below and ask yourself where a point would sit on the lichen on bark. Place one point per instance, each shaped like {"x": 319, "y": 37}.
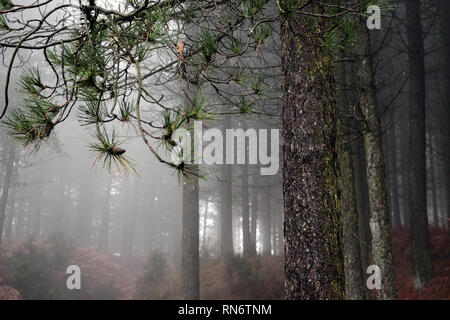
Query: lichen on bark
{"x": 313, "y": 228}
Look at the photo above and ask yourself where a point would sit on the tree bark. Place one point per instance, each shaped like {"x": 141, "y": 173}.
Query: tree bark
{"x": 10, "y": 213}
{"x": 266, "y": 223}
{"x": 6, "y": 186}
{"x": 190, "y": 238}
{"x": 354, "y": 280}
{"x": 312, "y": 229}
{"x": 423, "y": 267}
{"x": 226, "y": 222}
{"x": 376, "y": 174}
{"x": 254, "y": 221}
{"x": 445, "y": 27}
{"x": 246, "y": 242}
{"x": 393, "y": 159}
{"x": 190, "y": 277}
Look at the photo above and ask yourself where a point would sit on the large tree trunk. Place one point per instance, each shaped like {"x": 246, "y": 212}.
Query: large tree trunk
{"x": 376, "y": 175}
{"x": 354, "y": 280}
{"x": 393, "y": 169}
{"x": 312, "y": 229}
{"x": 190, "y": 237}
{"x": 5, "y": 187}
{"x": 423, "y": 267}
{"x": 445, "y": 27}
{"x": 190, "y": 276}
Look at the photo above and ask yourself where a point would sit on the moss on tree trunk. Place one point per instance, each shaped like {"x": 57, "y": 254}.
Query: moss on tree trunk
{"x": 312, "y": 229}
{"x": 376, "y": 176}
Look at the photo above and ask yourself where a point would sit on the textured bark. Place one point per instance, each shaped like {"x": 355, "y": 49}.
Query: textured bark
{"x": 190, "y": 238}
{"x": 363, "y": 208}
{"x": 190, "y": 276}
{"x": 354, "y": 281}
{"x": 6, "y": 186}
{"x": 445, "y": 27}
{"x": 423, "y": 267}
{"x": 405, "y": 166}
{"x": 394, "y": 186}
{"x": 376, "y": 175}
{"x": 312, "y": 229}
{"x": 433, "y": 184}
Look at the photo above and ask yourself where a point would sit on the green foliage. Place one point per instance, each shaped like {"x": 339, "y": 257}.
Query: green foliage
{"x": 288, "y": 7}
{"x": 108, "y": 148}
{"x": 31, "y": 82}
{"x": 6, "y": 4}
{"x": 62, "y": 249}
{"x": 98, "y": 69}
{"x": 33, "y": 276}
{"x": 208, "y": 45}
{"x": 261, "y": 34}
{"x": 31, "y": 123}
{"x": 151, "y": 285}
{"x": 197, "y": 110}
{"x": 257, "y": 84}
{"x": 246, "y": 107}
{"x": 126, "y": 109}
{"x": 3, "y": 23}
{"x": 249, "y": 8}
{"x": 91, "y": 113}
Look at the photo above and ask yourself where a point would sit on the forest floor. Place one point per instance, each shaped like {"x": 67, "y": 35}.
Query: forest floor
{"x": 37, "y": 270}
{"x": 439, "y": 286}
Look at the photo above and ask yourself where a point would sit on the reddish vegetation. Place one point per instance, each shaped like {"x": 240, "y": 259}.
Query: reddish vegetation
{"x": 439, "y": 287}
{"x": 257, "y": 278}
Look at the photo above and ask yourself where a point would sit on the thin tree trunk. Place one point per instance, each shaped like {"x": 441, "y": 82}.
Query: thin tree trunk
{"x": 354, "y": 281}
{"x": 312, "y": 229}
{"x": 433, "y": 184}
{"x": 205, "y": 221}
{"x": 246, "y": 242}
{"x": 6, "y": 186}
{"x": 254, "y": 221}
{"x": 11, "y": 212}
{"x": 376, "y": 175}
{"x": 104, "y": 223}
{"x": 393, "y": 159}
{"x": 266, "y": 223}
{"x": 37, "y": 214}
{"x": 226, "y": 222}
{"x": 423, "y": 267}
